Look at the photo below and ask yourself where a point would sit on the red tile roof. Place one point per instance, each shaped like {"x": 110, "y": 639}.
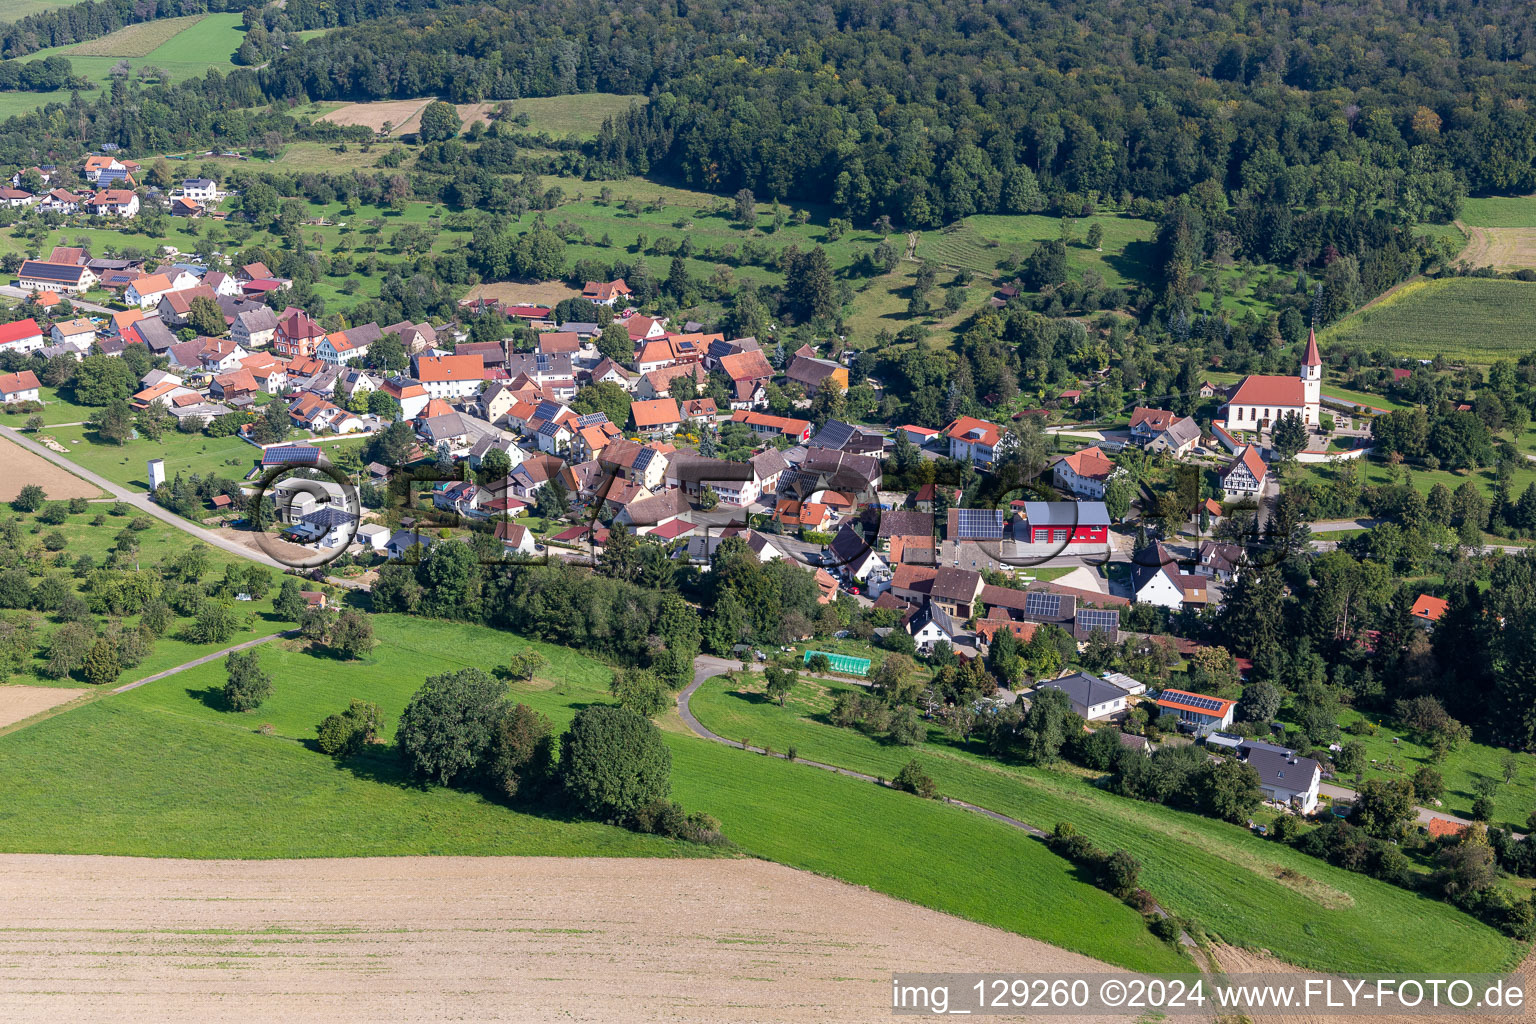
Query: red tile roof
{"x": 962, "y": 428}
{"x": 1090, "y": 463}
{"x": 439, "y": 369}
{"x": 654, "y": 413}
{"x": 1430, "y": 608}
{"x": 1281, "y": 392}
{"x": 10, "y": 383}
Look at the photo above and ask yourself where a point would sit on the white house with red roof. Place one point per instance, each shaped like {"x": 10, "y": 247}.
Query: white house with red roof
{"x": 1260, "y": 401}
{"x": 1202, "y": 713}
{"x": 605, "y": 293}
{"x": 450, "y": 376}
{"x": 973, "y": 440}
{"x": 1085, "y": 472}
{"x": 18, "y": 387}
{"x": 21, "y": 336}
{"x": 336, "y": 348}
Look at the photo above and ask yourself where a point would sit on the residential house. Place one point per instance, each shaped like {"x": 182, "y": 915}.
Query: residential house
{"x": 78, "y": 331}
{"x": 904, "y": 523}
{"x": 606, "y": 293}
{"x": 61, "y": 200}
{"x": 296, "y": 334}
{"x": 700, "y": 411}
{"x": 203, "y": 190}
{"x": 658, "y": 383}
{"x": 919, "y": 436}
{"x": 146, "y": 292}
{"x": 658, "y": 510}
{"x": 809, "y": 372}
{"x": 657, "y": 418}
{"x": 957, "y": 591}
{"x": 450, "y": 376}
{"x": 532, "y": 474}
{"x": 1284, "y": 777}
{"x": 912, "y": 583}
{"x": 1157, "y": 579}
{"x": 931, "y": 624}
{"x": 973, "y": 440}
{"x": 339, "y": 348}
{"x": 254, "y": 328}
{"x": 609, "y": 372}
{"x": 153, "y": 334}
{"x": 181, "y": 207}
{"x": 223, "y": 284}
{"x": 118, "y": 323}
{"x": 645, "y": 328}
{"x": 769, "y": 427}
{"x": 1178, "y": 440}
{"x": 1218, "y": 560}
{"x": 1428, "y": 609}
{"x": 1245, "y": 473}
{"x": 113, "y": 202}
{"x": 1085, "y": 472}
{"x": 414, "y": 337}
{"x": 38, "y": 275}
{"x": 253, "y": 272}
{"x": 640, "y": 464}
{"x": 410, "y": 393}
{"x": 19, "y": 387}
{"x": 1092, "y": 698}
{"x": 845, "y": 437}
{"x": 234, "y": 385}
{"x": 16, "y": 197}
{"x": 271, "y": 375}
{"x": 516, "y": 538}
{"x": 21, "y": 336}
{"x": 1201, "y": 713}
{"x": 853, "y": 556}
{"x": 749, "y": 370}
{"x": 589, "y": 440}
{"x": 175, "y": 307}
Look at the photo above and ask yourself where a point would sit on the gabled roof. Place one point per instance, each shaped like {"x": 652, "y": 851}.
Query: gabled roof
{"x": 1274, "y": 392}
{"x": 656, "y": 412}
{"x": 1090, "y": 463}
{"x": 19, "y": 330}
{"x": 25, "y": 380}
{"x": 41, "y": 270}
{"x": 906, "y": 523}
{"x": 1429, "y": 608}
{"x": 957, "y": 584}
{"x": 441, "y": 369}
{"x": 1249, "y": 459}
{"x": 746, "y": 366}
{"x": 1155, "y": 420}
{"x": 973, "y": 430}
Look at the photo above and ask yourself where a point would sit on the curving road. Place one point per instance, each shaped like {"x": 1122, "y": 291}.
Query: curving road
{"x": 707, "y": 666}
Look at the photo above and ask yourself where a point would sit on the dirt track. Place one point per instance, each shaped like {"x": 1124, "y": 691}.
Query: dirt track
{"x": 1499, "y": 248}
{"x": 19, "y": 467}
{"x": 476, "y": 939}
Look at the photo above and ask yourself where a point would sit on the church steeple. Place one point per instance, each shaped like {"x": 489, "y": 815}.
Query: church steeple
{"x": 1312, "y": 357}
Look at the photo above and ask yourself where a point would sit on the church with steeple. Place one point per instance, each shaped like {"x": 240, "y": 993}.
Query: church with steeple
{"x": 1258, "y": 402}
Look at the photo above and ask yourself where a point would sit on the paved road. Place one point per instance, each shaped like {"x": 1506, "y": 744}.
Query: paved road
{"x": 706, "y": 667}
{"x": 13, "y": 292}
{"x": 1425, "y": 815}
{"x": 141, "y": 501}
{"x": 205, "y": 659}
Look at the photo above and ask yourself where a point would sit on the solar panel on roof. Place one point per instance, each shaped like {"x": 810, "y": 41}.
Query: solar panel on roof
{"x": 1194, "y": 700}
{"x": 835, "y": 434}
{"x": 1098, "y": 618}
{"x": 980, "y": 523}
{"x": 1040, "y": 602}
{"x": 290, "y": 455}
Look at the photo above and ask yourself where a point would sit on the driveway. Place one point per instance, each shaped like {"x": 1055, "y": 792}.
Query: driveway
{"x": 13, "y": 292}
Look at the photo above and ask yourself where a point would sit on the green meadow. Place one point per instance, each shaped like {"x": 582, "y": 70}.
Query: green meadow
{"x": 1246, "y": 890}
{"x": 190, "y": 779}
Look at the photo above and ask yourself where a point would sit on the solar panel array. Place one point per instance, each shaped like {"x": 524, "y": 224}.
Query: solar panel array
{"x": 290, "y": 455}
{"x": 1042, "y": 603}
{"x": 981, "y": 524}
{"x": 1194, "y": 700}
{"x": 591, "y": 418}
{"x": 835, "y": 434}
{"x": 1089, "y": 619}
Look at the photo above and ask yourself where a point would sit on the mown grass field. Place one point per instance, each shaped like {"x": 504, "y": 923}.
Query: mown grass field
{"x": 1249, "y": 891}
{"x": 15, "y": 10}
{"x": 980, "y": 243}
{"x": 189, "y": 779}
{"x": 57, "y": 408}
{"x": 579, "y": 115}
{"x": 1373, "y": 472}
{"x": 1499, "y": 211}
{"x": 127, "y": 464}
{"x": 1474, "y": 320}
{"x": 198, "y": 42}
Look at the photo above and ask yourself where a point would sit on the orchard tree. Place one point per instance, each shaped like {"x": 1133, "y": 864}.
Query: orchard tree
{"x": 445, "y": 730}
{"x": 247, "y": 685}
{"x": 614, "y": 762}
{"x": 440, "y": 122}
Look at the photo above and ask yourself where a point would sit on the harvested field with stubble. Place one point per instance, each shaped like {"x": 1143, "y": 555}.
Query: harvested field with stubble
{"x": 532, "y": 293}
{"x": 403, "y": 116}
{"x": 138, "y": 40}
{"x": 22, "y": 702}
{"x": 466, "y": 938}
{"x": 19, "y": 467}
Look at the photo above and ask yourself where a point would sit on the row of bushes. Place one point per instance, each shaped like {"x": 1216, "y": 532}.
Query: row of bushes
{"x": 1116, "y": 873}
